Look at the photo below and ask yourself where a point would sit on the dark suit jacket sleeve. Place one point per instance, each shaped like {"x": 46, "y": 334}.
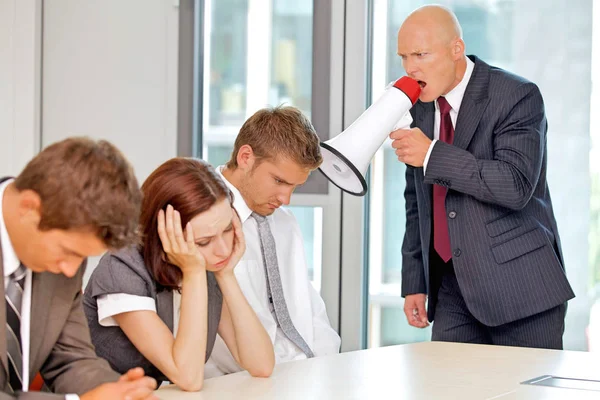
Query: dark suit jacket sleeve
{"x": 510, "y": 178}
{"x": 413, "y": 278}
{"x": 73, "y": 366}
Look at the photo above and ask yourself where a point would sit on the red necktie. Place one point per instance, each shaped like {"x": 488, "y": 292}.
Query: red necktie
{"x": 441, "y": 237}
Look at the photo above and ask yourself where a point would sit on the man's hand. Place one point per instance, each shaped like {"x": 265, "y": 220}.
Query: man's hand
{"x": 131, "y": 386}
{"x": 411, "y": 146}
{"x": 414, "y": 308}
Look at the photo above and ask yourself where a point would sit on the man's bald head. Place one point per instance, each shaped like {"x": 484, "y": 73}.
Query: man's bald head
{"x": 438, "y": 20}
{"x": 432, "y": 50}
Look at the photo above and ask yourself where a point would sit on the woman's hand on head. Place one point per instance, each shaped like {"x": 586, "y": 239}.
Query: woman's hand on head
{"x": 180, "y": 248}
{"x": 239, "y": 246}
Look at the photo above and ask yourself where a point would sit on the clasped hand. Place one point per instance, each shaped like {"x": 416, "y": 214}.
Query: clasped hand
{"x": 131, "y": 386}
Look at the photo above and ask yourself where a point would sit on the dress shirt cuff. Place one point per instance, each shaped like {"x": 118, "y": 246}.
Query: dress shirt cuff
{"x": 71, "y": 397}
{"x": 113, "y": 304}
{"x": 427, "y": 156}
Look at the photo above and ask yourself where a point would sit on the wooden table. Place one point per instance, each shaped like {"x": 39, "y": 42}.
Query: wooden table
{"x": 431, "y": 370}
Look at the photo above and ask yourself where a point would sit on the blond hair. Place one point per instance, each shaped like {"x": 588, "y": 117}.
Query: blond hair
{"x": 279, "y": 132}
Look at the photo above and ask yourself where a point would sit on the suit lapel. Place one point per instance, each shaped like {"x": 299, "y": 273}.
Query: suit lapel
{"x": 426, "y": 119}
{"x": 425, "y": 114}
{"x": 41, "y": 304}
{"x": 3, "y": 315}
{"x": 473, "y": 104}
{"x": 3, "y": 350}
{"x": 164, "y": 307}
{"x": 3, "y": 308}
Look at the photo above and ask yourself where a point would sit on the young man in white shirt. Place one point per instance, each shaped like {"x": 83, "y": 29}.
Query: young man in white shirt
{"x": 275, "y": 151}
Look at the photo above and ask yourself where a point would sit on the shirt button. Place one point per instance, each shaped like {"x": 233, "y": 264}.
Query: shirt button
{"x": 456, "y": 253}
{"x": 452, "y": 214}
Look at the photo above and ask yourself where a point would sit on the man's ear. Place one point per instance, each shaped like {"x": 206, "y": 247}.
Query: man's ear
{"x": 30, "y": 207}
{"x": 458, "y": 49}
{"x": 245, "y": 158}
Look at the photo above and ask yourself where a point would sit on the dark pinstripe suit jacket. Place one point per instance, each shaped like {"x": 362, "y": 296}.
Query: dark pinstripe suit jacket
{"x": 506, "y": 248}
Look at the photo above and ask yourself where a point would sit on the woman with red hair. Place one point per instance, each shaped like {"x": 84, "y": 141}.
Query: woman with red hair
{"x": 160, "y": 305}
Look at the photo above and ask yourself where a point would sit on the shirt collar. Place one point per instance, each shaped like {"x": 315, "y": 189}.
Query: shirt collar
{"x": 9, "y": 257}
{"x": 238, "y": 201}
{"x": 455, "y": 96}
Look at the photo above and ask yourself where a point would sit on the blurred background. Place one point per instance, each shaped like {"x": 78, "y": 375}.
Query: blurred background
{"x": 161, "y": 78}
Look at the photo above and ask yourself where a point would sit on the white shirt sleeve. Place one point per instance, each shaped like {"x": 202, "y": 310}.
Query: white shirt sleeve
{"x": 427, "y": 156}
{"x": 71, "y": 397}
{"x": 325, "y": 339}
{"x": 110, "y": 305}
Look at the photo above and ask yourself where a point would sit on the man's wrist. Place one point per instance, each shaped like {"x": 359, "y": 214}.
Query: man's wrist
{"x": 428, "y": 155}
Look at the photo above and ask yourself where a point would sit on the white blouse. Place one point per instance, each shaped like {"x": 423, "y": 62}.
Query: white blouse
{"x": 110, "y": 305}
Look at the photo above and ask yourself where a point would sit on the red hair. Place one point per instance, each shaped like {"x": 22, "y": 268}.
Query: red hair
{"x": 191, "y": 186}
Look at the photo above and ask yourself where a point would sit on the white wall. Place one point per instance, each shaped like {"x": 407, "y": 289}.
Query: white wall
{"x": 110, "y": 71}
{"x": 20, "y": 52}
{"x": 104, "y": 69}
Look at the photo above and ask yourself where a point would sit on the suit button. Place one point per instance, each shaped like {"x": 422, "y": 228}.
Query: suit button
{"x": 452, "y": 214}
{"x": 456, "y": 253}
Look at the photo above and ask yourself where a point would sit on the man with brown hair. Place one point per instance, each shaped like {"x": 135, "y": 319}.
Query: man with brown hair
{"x": 275, "y": 151}
{"x": 75, "y": 199}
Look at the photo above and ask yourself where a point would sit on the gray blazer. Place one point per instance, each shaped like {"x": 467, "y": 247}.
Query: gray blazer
{"x": 125, "y": 272}
{"x": 506, "y": 249}
{"x": 59, "y": 345}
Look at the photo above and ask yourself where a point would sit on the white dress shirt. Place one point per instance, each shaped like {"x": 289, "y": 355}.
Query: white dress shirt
{"x": 305, "y": 305}
{"x": 454, "y": 98}
{"x": 11, "y": 263}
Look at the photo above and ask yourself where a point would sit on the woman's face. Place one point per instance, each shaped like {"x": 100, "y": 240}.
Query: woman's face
{"x": 213, "y": 234}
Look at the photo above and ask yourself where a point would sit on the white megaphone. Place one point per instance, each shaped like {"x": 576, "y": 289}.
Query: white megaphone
{"x": 347, "y": 156}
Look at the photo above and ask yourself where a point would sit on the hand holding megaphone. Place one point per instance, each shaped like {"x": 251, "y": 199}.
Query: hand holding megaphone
{"x": 411, "y": 146}
{"x": 347, "y": 156}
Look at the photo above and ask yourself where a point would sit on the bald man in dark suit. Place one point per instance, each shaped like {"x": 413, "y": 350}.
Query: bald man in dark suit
{"x": 481, "y": 242}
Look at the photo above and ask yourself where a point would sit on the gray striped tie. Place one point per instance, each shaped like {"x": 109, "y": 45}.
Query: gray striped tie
{"x": 274, "y": 287}
{"x": 14, "y": 297}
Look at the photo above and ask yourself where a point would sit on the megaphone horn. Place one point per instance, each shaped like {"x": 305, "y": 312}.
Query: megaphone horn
{"x": 347, "y": 156}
